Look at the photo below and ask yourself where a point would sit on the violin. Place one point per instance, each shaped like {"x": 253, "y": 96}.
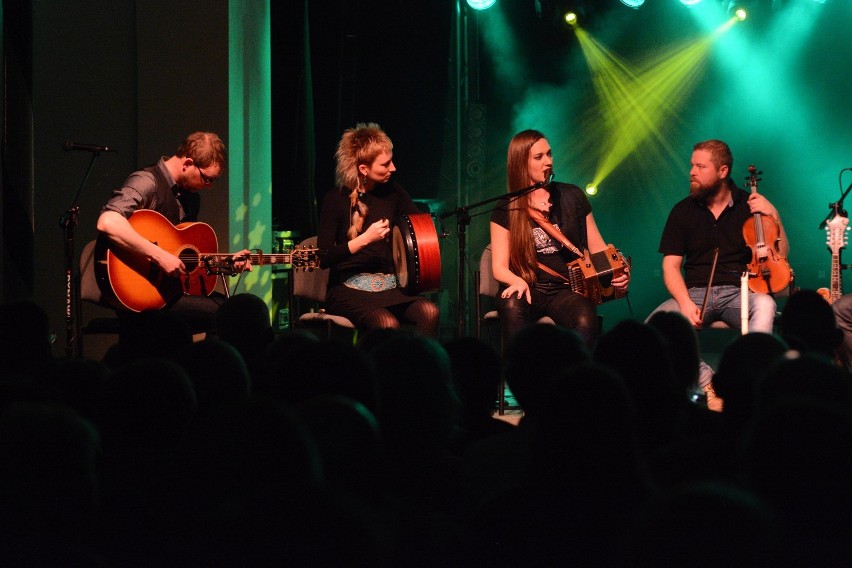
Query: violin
{"x": 769, "y": 272}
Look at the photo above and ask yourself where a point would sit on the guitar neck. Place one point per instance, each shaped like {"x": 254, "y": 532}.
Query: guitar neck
{"x": 216, "y": 260}
{"x": 836, "y": 229}
{"x": 836, "y": 282}
{"x": 262, "y": 259}
{"x": 299, "y": 258}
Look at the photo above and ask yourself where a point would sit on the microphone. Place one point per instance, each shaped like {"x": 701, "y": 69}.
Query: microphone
{"x": 545, "y": 182}
{"x": 520, "y": 192}
{"x": 69, "y": 146}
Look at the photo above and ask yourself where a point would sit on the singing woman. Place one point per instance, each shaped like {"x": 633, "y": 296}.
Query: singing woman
{"x": 534, "y": 236}
{"x": 354, "y": 237}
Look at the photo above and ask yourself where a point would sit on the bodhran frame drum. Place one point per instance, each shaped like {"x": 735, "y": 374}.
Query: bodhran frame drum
{"x": 416, "y": 253}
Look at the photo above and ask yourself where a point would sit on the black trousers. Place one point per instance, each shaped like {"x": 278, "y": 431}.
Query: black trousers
{"x": 565, "y": 307}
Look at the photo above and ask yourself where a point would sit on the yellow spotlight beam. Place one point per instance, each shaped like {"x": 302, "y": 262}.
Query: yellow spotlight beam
{"x": 634, "y": 107}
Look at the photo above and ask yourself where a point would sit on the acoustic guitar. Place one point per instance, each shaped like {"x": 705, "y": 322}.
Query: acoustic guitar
{"x": 836, "y": 230}
{"x": 132, "y": 282}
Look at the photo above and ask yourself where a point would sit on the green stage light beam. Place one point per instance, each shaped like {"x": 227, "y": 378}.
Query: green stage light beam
{"x": 633, "y": 106}
{"x": 502, "y": 45}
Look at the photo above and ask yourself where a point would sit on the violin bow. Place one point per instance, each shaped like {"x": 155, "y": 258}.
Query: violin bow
{"x": 709, "y": 282}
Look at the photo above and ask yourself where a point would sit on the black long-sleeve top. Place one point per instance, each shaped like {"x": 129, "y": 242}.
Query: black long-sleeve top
{"x": 384, "y": 201}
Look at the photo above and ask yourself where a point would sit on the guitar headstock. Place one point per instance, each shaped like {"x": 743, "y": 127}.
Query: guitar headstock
{"x": 836, "y": 230}
{"x": 305, "y": 258}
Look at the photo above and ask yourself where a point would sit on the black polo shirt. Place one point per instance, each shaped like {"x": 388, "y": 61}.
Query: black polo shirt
{"x": 693, "y": 232}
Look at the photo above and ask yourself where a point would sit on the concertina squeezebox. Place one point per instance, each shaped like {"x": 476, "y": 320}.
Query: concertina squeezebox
{"x": 591, "y": 275}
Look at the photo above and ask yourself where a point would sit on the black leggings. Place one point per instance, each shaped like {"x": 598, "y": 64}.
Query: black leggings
{"x": 563, "y": 306}
{"x": 421, "y": 312}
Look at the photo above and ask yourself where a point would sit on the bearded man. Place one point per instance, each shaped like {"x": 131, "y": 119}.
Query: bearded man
{"x": 710, "y": 222}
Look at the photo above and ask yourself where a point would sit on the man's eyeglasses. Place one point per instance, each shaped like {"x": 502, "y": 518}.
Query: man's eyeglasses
{"x": 207, "y": 180}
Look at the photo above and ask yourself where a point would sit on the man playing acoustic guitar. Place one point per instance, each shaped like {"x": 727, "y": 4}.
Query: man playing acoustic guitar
{"x": 170, "y": 187}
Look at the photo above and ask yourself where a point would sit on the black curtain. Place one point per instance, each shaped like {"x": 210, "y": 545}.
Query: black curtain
{"x": 18, "y": 264}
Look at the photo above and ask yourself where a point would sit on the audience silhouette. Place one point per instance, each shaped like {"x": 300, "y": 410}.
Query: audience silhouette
{"x": 533, "y": 362}
{"x": 705, "y": 524}
{"x": 715, "y": 454}
{"x": 49, "y": 461}
{"x": 418, "y": 412}
{"x": 681, "y": 341}
{"x": 148, "y": 334}
{"x": 255, "y": 449}
{"x": 807, "y": 323}
{"x": 795, "y": 459}
{"x": 243, "y": 321}
{"x": 217, "y": 371}
{"x": 334, "y": 368}
{"x": 800, "y": 376}
{"x": 638, "y": 353}
{"x": 476, "y": 376}
{"x": 585, "y": 481}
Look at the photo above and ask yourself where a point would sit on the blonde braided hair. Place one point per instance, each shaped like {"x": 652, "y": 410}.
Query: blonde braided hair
{"x": 357, "y": 146}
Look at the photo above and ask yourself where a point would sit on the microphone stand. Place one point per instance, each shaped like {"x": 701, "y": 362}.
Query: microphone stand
{"x": 837, "y": 207}
{"x": 68, "y": 222}
{"x": 463, "y": 218}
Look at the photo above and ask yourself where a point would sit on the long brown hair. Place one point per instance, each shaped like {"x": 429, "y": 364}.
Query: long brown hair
{"x": 359, "y": 145}
{"x": 522, "y": 259}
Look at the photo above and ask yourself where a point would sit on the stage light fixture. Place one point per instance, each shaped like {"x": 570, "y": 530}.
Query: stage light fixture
{"x": 739, "y": 9}
{"x": 481, "y": 4}
{"x": 571, "y": 18}
{"x": 635, "y": 4}
{"x": 591, "y": 189}
{"x": 689, "y": 2}
{"x": 566, "y": 14}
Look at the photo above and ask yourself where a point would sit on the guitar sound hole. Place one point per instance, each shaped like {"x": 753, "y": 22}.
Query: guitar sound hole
{"x": 190, "y": 259}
